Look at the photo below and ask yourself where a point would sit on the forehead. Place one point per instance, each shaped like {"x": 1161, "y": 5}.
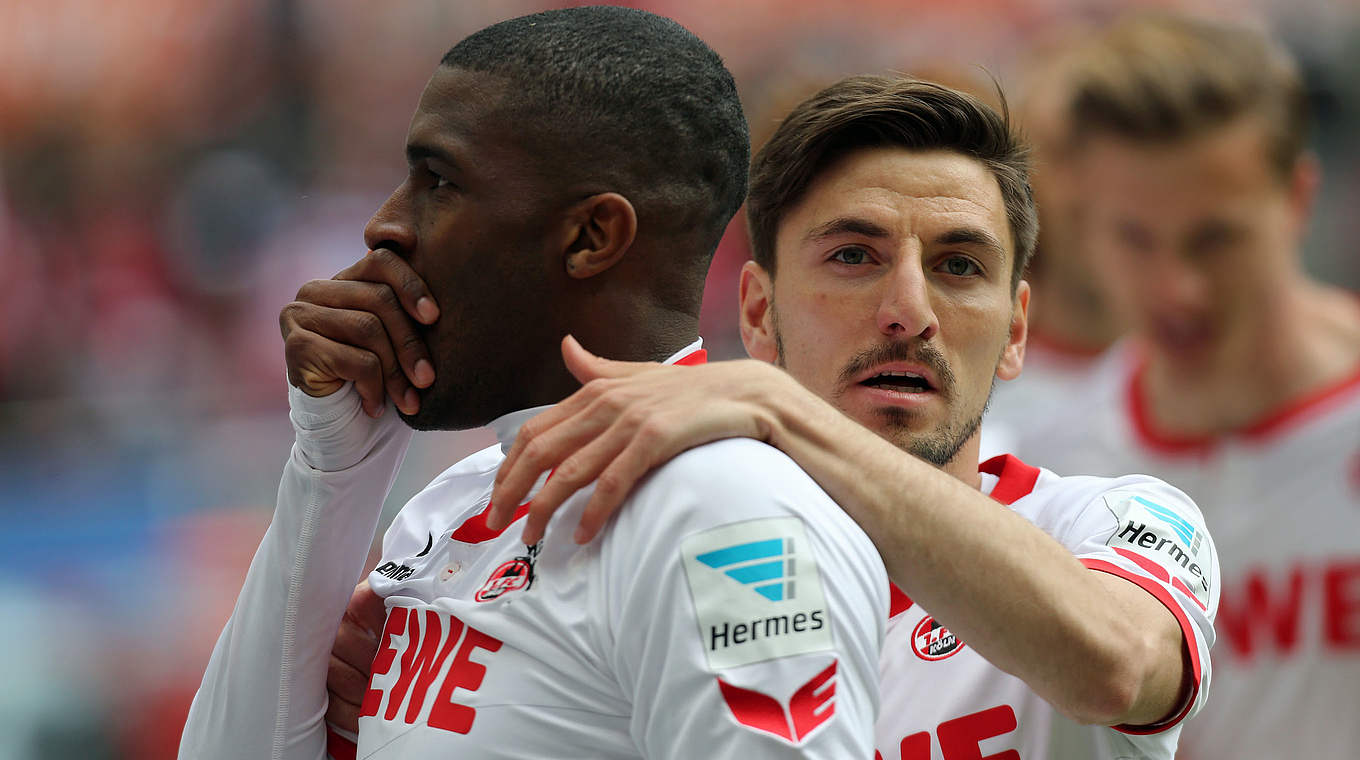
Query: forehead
{"x": 1190, "y": 175}
{"x": 462, "y": 110}
{"x": 905, "y": 191}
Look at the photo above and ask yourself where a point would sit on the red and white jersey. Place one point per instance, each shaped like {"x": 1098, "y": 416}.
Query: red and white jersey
{"x": 1283, "y": 499}
{"x": 730, "y": 610}
{"x": 942, "y": 701}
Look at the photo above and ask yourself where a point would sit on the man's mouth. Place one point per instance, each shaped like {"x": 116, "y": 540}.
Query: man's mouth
{"x": 899, "y": 382}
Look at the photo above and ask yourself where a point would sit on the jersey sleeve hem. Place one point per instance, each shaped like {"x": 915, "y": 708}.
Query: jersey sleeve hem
{"x": 1187, "y": 630}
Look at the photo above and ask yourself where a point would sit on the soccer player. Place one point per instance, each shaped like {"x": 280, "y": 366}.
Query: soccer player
{"x": 890, "y": 220}
{"x": 570, "y": 171}
{"x": 1241, "y": 384}
{"x": 1071, "y": 319}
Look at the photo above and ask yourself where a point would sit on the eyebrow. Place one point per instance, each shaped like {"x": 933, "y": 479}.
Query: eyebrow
{"x": 972, "y": 236}
{"x": 847, "y": 225}
{"x": 416, "y": 152}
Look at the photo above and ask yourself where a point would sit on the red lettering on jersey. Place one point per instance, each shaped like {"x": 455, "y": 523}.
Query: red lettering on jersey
{"x": 422, "y": 659}
{"x": 1253, "y": 604}
{"x": 423, "y": 665}
{"x": 1341, "y": 604}
{"x": 465, "y": 674}
{"x": 382, "y": 662}
{"x": 916, "y": 746}
{"x": 961, "y": 738}
{"x": 809, "y": 707}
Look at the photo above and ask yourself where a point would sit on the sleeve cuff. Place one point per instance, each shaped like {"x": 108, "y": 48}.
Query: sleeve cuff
{"x": 333, "y": 433}
{"x": 1190, "y": 639}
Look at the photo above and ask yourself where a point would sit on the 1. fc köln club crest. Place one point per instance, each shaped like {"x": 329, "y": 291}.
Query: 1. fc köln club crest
{"x": 514, "y": 575}
{"x": 932, "y": 641}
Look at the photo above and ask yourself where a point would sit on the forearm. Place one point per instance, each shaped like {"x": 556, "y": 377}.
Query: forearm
{"x": 1001, "y": 584}
{"x": 264, "y": 694}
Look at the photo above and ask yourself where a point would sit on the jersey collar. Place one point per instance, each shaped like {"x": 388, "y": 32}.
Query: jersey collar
{"x": 1015, "y": 479}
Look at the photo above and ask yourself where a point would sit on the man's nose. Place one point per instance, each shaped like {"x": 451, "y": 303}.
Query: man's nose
{"x": 905, "y": 309}
{"x": 1178, "y": 283}
{"x": 391, "y": 226}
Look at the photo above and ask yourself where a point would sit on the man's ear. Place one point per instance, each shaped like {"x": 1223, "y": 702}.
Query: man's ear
{"x": 756, "y": 293}
{"x": 1013, "y": 355}
{"x": 600, "y": 230}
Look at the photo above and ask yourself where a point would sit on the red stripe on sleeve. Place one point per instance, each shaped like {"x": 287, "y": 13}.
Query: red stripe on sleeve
{"x": 1188, "y": 630}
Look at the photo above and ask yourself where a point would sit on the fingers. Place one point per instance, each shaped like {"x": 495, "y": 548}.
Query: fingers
{"x": 367, "y": 609}
{"x": 617, "y": 481}
{"x": 384, "y": 266}
{"x": 319, "y": 366}
{"x": 342, "y": 713}
{"x": 587, "y": 462}
{"x": 372, "y": 315}
{"x": 356, "y": 644}
{"x": 585, "y": 366}
{"x": 346, "y": 687}
{"x": 362, "y": 326}
{"x": 546, "y": 442}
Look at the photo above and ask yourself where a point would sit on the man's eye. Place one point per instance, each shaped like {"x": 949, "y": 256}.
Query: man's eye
{"x": 851, "y": 255}
{"x": 961, "y": 267}
{"x": 440, "y": 181}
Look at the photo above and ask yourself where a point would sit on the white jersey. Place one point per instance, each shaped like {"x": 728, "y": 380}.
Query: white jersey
{"x": 730, "y": 610}
{"x": 1283, "y": 499}
{"x": 1053, "y": 373}
{"x": 943, "y": 701}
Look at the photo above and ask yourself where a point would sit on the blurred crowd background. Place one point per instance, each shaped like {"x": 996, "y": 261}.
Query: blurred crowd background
{"x": 172, "y": 170}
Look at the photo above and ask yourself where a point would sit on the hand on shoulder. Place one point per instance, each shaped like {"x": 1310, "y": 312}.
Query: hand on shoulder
{"x": 628, "y": 418}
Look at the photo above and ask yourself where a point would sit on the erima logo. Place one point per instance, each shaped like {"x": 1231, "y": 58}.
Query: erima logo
{"x": 768, "y": 567}
{"x": 1183, "y": 529}
{"x": 395, "y": 571}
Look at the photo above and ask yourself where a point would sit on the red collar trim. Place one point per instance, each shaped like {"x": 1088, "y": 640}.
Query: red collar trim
{"x": 1302, "y": 408}
{"x": 1287, "y": 415}
{"x": 698, "y": 356}
{"x": 1015, "y": 478}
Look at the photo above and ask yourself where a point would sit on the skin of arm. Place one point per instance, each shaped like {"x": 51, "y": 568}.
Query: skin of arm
{"x": 1095, "y": 646}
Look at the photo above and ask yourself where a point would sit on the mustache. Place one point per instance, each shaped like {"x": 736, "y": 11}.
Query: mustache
{"x": 901, "y": 351}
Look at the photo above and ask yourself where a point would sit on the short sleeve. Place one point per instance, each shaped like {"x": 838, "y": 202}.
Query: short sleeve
{"x": 746, "y": 611}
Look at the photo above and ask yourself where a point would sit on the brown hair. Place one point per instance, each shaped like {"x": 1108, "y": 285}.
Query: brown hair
{"x": 872, "y": 111}
{"x": 1165, "y": 78}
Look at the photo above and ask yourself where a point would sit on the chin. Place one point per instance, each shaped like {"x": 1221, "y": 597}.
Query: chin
{"x": 436, "y": 413}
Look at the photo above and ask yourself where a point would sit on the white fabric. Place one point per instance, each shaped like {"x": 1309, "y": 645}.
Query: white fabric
{"x": 952, "y": 703}
{"x": 1283, "y": 501}
{"x": 603, "y": 655}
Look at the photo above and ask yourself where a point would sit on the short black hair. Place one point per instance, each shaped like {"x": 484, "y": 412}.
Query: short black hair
{"x": 872, "y": 111}
{"x": 632, "y": 98}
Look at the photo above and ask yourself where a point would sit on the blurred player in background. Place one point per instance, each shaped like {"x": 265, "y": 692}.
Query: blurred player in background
{"x": 570, "y": 172}
{"x": 1071, "y": 318}
{"x": 890, "y": 220}
{"x": 1241, "y": 383}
